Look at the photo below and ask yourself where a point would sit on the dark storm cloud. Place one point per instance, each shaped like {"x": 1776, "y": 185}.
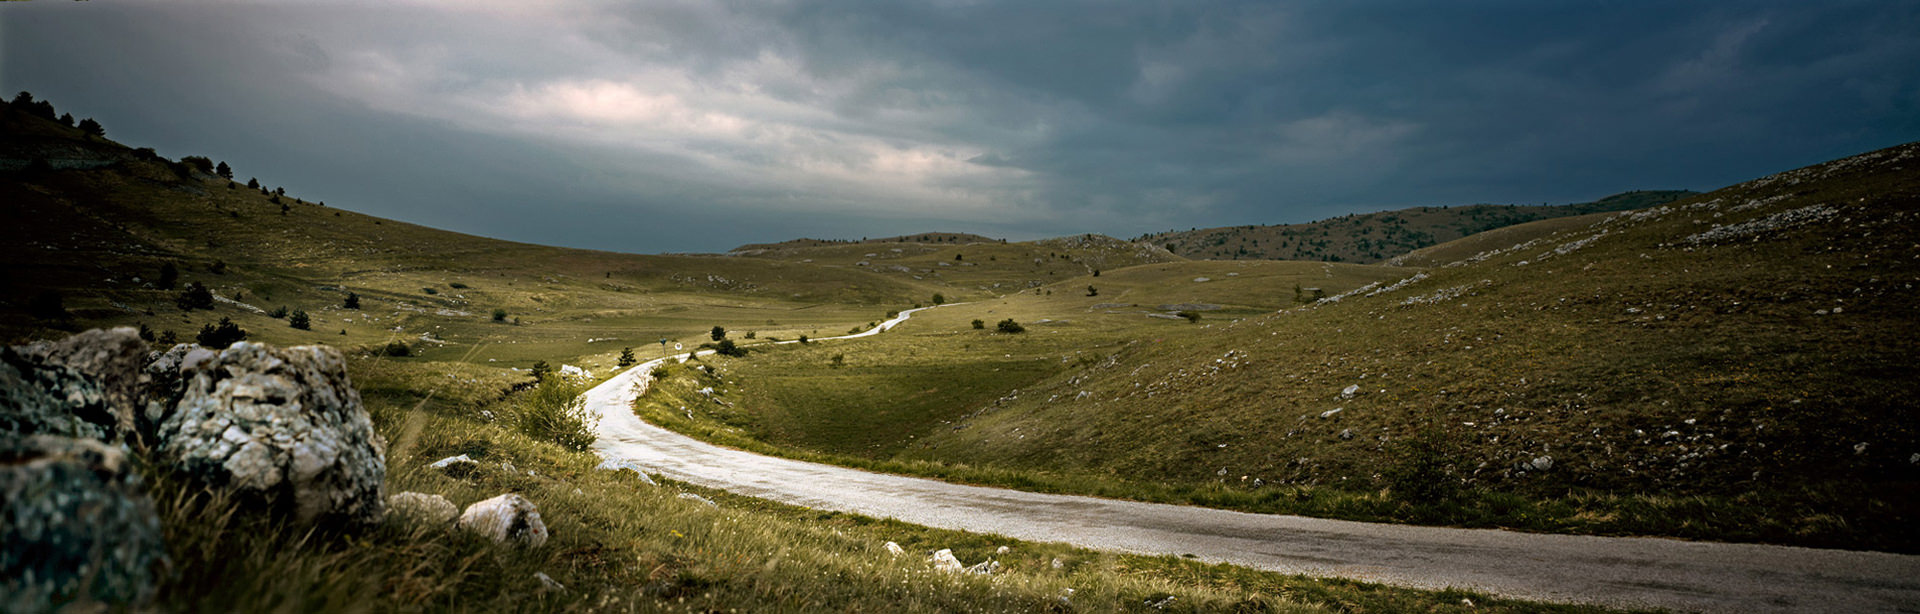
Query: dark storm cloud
{"x": 696, "y": 126}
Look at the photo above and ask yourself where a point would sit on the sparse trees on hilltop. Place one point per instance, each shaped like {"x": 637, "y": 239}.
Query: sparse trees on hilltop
{"x": 224, "y": 171}
{"x": 92, "y": 128}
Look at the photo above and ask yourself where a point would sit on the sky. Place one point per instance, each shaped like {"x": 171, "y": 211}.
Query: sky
{"x": 698, "y": 126}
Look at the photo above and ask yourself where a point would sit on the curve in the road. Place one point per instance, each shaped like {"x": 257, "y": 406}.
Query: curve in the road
{"x": 1615, "y": 571}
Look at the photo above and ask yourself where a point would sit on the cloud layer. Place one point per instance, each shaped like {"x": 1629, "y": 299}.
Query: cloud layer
{"x": 699, "y": 125}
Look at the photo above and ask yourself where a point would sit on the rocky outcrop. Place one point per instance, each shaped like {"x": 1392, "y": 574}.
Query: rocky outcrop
{"x": 75, "y": 525}
{"x": 283, "y": 425}
{"x": 508, "y": 518}
{"x": 161, "y": 387}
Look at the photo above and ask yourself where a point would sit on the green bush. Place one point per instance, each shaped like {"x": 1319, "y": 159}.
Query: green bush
{"x": 196, "y": 296}
{"x": 1191, "y": 316}
{"x": 278, "y": 312}
{"x": 1420, "y": 472}
{"x": 298, "y": 319}
{"x": 396, "y": 348}
{"x": 555, "y": 412}
{"x": 220, "y": 336}
{"x": 726, "y": 347}
{"x": 352, "y": 302}
{"x": 499, "y": 315}
{"x": 979, "y": 324}
{"x": 939, "y": 299}
{"x": 1010, "y": 326}
{"x": 626, "y": 357}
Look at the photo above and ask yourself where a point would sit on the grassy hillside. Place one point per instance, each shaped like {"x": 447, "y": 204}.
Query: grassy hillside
{"x": 97, "y": 229}
{"x": 1374, "y": 237}
{"x": 1738, "y": 365}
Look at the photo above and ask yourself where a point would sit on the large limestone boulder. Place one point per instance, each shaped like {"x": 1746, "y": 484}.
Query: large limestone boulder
{"x": 280, "y": 424}
{"x": 75, "y": 525}
{"x": 111, "y": 358}
{"x": 508, "y": 518}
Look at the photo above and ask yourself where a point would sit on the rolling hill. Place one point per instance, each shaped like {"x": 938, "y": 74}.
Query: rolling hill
{"x": 1374, "y": 237}
{"x": 1736, "y": 365}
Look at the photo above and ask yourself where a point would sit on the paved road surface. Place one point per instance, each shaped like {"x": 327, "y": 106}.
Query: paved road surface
{"x": 1632, "y": 572}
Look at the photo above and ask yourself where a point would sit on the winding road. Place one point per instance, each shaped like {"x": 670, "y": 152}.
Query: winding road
{"x": 1613, "y": 571}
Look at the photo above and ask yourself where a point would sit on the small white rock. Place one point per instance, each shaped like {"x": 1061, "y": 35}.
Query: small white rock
{"x": 895, "y": 549}
{"x": 547, "y": 582}
{"x": 694, "y": 497}
{"x": 424, "y": 508}
{"x": 504, "y": 518}
{"x": 945, "y": 561}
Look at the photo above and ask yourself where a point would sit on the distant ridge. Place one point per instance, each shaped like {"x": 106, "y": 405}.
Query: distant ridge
{"x": 1375, "y": 237}
{"x": 949, "y": 238}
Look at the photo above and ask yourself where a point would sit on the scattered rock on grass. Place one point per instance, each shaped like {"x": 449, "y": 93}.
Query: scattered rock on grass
{"x": 694, "y": 497}
{"x": 895, "y": 549}
{"x": 76, "y": 526}
{"x": 422, "y": 508}
{"x": 547, "y": 583}
{"x": 612, "y": 465}
{"x": 506, "y": 518}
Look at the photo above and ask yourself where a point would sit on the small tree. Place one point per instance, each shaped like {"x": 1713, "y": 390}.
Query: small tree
{"x": 804, "y": 340}
{"x": 540, "y": 370}
{"x": 626, "y": 357}
{"x": 1096, "y": 272}
{"x": 499, "y": 315}
{"x": 224, "y": 171}
{"x": 92, "y": 128}
{"x": 196, "y": 296}
{"x": 253, "y": 183}
{"x": 979, "y": 324}
{"x": 67, "y": 118}
{"x": 168, "y": 276}
{"x": 1010, "y": 326}
{"x": 198, "y": 163}
{"x": 727, "y": 347}
{"x": 219, "y": 337}
{"x": 939, "y": 298}
{"x": 299, "y": 320}
{"x": 353, "y": 301}
{"x": 278, "y": 312}
{"x": 718, "y": 333}
{"x": 397, "y": 348}
{"x": 1092, "y": 291}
